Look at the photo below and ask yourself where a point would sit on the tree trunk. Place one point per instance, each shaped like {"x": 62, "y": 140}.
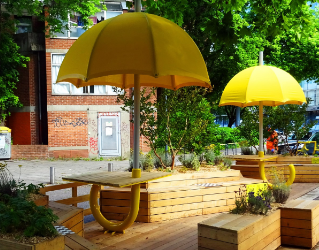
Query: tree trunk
{"x": 173, "y": 161}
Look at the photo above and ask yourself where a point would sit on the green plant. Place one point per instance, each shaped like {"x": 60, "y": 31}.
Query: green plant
{"x": 280, "y": 190}
{"x": 218, "y": 159}
{"x": 255, "y": 202}
{"x": 209, "y": 156}
{"x": 19, "y": 215}
{"x": 7, "y": 184}
{"x": 190, "y": 161}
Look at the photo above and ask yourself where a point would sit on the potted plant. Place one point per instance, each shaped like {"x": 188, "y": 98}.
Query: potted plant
{"x": 23, "y": 223}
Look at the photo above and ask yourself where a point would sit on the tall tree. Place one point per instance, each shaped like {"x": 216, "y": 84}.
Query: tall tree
{"x": 231, "y": 33}
{"x": 56, "y": 19}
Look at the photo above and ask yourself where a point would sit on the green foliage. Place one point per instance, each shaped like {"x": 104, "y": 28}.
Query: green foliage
{"x": 10, "y": 61}
{"x": 20, "y": 215}
{"x": 209, "y": 156}
{"x": 17, "y": 214}
{"x": 280, "y": 190}
{"x": 255, "y": 202}
{"x": 190, "y": 161}
{"x": 183, "y": 119}
{"x": 230, "y": 35}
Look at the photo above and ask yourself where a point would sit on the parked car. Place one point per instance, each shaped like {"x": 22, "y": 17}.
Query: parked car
{"x": 292, "y": 141}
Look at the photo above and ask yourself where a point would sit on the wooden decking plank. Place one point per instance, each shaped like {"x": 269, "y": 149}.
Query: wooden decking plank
{"x": 162, "y": 243}
{"x": 181, "y": 243}
{"x": 77, "y": 242}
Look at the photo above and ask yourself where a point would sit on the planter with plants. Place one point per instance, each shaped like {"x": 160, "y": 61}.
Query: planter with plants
{"x": 252, "y": 224}
{"x": 24, "y": 225}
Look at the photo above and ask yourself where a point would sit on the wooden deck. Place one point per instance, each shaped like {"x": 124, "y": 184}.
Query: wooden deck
{"x": 167, "y": 235}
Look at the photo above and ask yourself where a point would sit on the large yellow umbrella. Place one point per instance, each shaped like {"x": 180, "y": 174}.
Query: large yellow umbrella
{"x": 134, "y": 50}
{"x": 264, "y": 86}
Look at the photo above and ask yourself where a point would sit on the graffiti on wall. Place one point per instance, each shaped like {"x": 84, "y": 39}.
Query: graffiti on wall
{"x": 92, "y": 126}
{"x": 93, "y": 145}
{"x": 60, "y": 122}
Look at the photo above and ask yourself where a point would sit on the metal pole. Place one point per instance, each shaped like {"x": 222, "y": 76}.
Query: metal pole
{"x": 237, "y": 116}
{"x": 52, "y": 175}
{"x": 110, "y": 167}
{"x": 137, "y": 96}
{"x": 138, "y": 6}
{"x": 261, "y": 139}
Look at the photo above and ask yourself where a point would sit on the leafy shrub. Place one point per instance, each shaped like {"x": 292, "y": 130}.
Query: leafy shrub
{"x": 254, "y": 202}
{"x": 146, "y": 161}
{"x": 280, "y": 190}
{"x": 166, "y": 159}
{"x": 19, "y": 215}
{"x": 209, "y": 156}
{"x": 190, "y": 161}
{"x": 218, "y": 159}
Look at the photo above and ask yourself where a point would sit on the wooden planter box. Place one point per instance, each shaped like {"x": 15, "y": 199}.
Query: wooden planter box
{"x": 55, "y": 244}
{"x": 176, "y": 196}
{"x": 306, "y": 170}
{"x": 240, "y": 232}
{"x": 43, "y": 201}
{"x": 300, "y": 223}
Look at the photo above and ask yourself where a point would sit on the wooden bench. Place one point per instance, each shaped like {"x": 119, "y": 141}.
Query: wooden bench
{"x": 69, "y": 216}
{"x": 240, "y": 232}
{"x": 300, "y": 223}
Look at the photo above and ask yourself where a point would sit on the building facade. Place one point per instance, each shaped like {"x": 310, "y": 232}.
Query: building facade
{"x": 57, "y": 119}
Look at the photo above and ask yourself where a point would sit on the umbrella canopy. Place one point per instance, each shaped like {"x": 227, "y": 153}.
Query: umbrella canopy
{"x": 111, "y": 52}
{"x": 262, "y": 85}
{"x": 268, "y": 84}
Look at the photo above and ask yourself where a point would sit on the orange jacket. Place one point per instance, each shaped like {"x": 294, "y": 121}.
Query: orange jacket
{"x": 272, "y": 141}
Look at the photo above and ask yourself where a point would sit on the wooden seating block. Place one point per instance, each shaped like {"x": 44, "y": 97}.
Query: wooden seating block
{"x": 69, "y": 216}
{"x": 76, "y": 242}
{"x": 300, "y": 223}
{"x": 172, "y": 202}
{"x": 240, "y": 232}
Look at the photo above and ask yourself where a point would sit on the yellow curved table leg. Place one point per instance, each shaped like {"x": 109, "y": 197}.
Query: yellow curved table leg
{"x": 290, "y": 180}
{"x": 134, "y": 207}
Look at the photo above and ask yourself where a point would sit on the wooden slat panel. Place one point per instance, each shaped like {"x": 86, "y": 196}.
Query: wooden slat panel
{"x": 70, "y": 201}
{"x": 121, "y": 217}
{"x": 60, "y": 186}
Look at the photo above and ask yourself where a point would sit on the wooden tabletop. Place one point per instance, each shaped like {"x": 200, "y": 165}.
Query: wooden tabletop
{"x": 115, "y": 179}
{"x": 253, "y": 157}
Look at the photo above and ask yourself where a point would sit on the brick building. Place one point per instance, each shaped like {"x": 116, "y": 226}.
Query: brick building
{"x": 59, "y": 120}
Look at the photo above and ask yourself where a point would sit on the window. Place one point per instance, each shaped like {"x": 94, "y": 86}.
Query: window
{"x": 75, "y": 23}
{"x": 65, "y": 88}
{"x": 24, "y": 25}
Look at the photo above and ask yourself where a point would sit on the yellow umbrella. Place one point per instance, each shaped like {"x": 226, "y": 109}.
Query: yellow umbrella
{"x": 133, "y": 50}
{"x": 263, "y": 85}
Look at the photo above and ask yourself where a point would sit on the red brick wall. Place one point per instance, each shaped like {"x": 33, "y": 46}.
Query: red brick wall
{"x": 29, "y": 152}
{"x": 67, "y": 128}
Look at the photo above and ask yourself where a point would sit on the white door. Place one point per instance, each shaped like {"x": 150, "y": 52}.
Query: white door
{"x": 109, "y": 136}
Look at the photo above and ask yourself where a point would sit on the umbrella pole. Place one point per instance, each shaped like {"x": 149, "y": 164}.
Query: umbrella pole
{"x": 136, "y": 139}
{"x": 261, "y": 139}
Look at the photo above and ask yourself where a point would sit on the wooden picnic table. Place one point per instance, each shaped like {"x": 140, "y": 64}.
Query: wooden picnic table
{"x": 115, "y": 179}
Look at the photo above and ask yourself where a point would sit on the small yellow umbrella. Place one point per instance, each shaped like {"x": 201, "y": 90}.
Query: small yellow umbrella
{"x": 262, "y": 85}
{"x": 133, "y": 50}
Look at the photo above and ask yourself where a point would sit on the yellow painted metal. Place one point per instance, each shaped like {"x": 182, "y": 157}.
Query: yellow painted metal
{"x": 134, "y": 207}
{"x": 261, "y": 153}
{"x": 112, "y": 226}
{"x": 112, "y": 51}
{"x": 268, "y": 84}
{"x": 304, "y": 149}
{"x": 292, "y": 174}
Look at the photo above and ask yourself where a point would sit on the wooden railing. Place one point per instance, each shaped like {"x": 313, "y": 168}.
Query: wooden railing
{"x": 75, "y": 199}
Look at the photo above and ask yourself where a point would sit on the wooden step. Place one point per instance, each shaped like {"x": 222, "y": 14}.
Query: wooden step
{"x": 69, "y": 216}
